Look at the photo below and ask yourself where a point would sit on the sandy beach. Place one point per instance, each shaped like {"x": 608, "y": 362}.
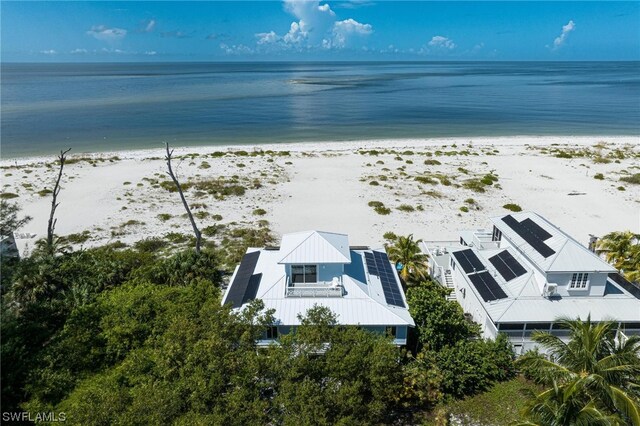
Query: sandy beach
{"x": 426, "y": 185}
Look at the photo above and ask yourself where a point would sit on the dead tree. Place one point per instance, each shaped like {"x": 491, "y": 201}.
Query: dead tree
{"x": 54, "y": 200}
{"x": 184, "y": 201}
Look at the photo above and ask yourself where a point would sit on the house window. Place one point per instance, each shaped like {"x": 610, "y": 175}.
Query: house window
{"x": 304, "y": 273}
{"x": 497, "y": 235}
{"x": 272, "y": 333}
{"x": 391, "y": 331}
{"x": 579, "y": 280}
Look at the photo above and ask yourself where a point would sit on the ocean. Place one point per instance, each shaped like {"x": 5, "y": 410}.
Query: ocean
{"x": 115, "y": 106}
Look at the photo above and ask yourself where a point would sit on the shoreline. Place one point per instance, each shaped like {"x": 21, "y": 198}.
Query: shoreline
{"x": 333, "y": 146}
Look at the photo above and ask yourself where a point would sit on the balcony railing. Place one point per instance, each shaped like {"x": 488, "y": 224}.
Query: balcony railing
{"x": 317, "y": 289}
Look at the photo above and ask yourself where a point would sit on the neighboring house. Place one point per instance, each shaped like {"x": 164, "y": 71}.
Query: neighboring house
{"x": 357, "y": 284}
{"x": 8, "y": 247}
{"x": 524, "y": 272}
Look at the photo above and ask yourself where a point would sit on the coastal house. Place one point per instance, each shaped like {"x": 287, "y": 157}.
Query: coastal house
{"x": 358, "y": 284}
{"x": 522, "y": 273}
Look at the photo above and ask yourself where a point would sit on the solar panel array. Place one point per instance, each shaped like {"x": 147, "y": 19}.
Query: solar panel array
{"x": 532, "y": 233}
{"x": 378, "y": 264}
{"x": 469, "y": 261}
{"x": 487, "y": 286}
{"x": 245, "y": 285}
{"x": 507, "y": 266}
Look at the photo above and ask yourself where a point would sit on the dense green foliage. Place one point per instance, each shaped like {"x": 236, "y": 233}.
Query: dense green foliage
{"x": 466, "y": 363}
{"x": 595, "y": 380}
{"x": 138, "y": 335}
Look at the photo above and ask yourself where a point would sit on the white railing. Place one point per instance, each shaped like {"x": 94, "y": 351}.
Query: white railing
{"x": 317, "y": 289}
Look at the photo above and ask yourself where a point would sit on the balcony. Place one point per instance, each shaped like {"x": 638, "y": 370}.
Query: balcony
{"x": 318, "y": 289}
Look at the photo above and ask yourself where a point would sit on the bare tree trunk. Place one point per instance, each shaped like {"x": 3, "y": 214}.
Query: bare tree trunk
{"x": 54, "y": 201}
{"x": 184, "y": 201}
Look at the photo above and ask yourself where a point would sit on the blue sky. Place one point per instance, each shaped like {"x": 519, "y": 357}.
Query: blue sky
{"x": 312, "y": 30}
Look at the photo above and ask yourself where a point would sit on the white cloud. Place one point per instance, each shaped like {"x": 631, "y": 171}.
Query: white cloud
{"x": 150, "y": 53}
{"x": 344, "y": 30}
{"x": 239, "y": 49}
{"x": 267, "y": 38}
{"x": 78, "y": 51}
{"x": 441, "y": 42}
{"x": 316, "y": 26}
{"x": 103, "y": 33}
{"x": 49, "y": 52}
{"x": 566, "y": 29}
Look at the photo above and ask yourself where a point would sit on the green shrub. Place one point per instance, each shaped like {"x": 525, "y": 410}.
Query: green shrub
{"x": 634, "y": 179}
{"x": 202, "y": 214}
{"x": 382, "y": 210}
{"x": 406, "y": 208}
{"x": 563, "y": 154}
{"x": 8, "y": 195}
{"x": 204, "y": 165}
{"x": 464, "y": 209}
{"x": 426, "y": 180}
{"x": 375, "y": 204}
{"x": 513, "y": 207}
{"x": 259, "y": 212}
{"x": 374, "y": 183}
{"x": 164, "y": 217}
{"x": 430, "y": 162}
{"x": 621, "y": 188}
{"x": 598, "y": 176}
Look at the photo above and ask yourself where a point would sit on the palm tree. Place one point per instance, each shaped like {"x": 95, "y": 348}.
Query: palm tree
{"x": 406, "y": 252}
{"x": 595, "y": 378}
{"x": 622, "y": 249}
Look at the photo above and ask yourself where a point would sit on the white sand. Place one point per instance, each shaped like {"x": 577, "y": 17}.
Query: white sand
{"x": 327, "y": 187}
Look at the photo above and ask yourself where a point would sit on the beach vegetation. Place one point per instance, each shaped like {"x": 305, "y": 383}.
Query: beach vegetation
{"x": 77, "y": 238}
{"x": 430, "y": 162}
{"x": 476, "y": 185}
{"x": 150, "y": 245}
{"x": 633, "y": 179}
{"x": 420, "y": 207}
{"x": 8, "y": 195}
{"x": 433, "y": 194}
{"x": 489, "y": 179}
{"x": 601, "y": 160}
{"x": 259, "y": 212}
{"x": 212, "y": 230}
{"x": 408, "y": 152}
{"x": 398, "y": 158}
{"x": 240, "y": 153}
{"x": 426, "y": 180}
{"x": 598, "y": 176}
{"x": 562, "y": 154}
{"x": 204, "y": 165}
{"x": 241, "y": 165}
{"x": 463, "y": 170}
{"x": 621, "y": 188}
{"x": 163, "y": 217}
{"x": 593, "y": 379}
{"x": 10, "y": 218}
{"x": 126, "y": 183}
{"x": 464, "y": 209}
{"x": 512, "y": 207}
{"x": 374, "y": 183}
{"x": 383, "y": 178}
{"x": 201, "y": 214}
{"x": 409, "y": 162}
{"x": 406, "y": 208}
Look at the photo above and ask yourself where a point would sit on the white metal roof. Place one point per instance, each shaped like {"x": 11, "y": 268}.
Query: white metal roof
{"x": 314, "y": 247}
{"x": 363, "y": 302}
{"x": 570, "y": 255}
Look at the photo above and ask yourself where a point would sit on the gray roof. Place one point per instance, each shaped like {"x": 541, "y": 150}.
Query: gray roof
{"x": 569, "y": 256}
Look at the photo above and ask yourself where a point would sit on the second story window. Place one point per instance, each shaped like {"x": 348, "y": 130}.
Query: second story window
{"x": 579, "y": 280}
{"x": 304, "y": 274}
{"x": 496, "y": 235}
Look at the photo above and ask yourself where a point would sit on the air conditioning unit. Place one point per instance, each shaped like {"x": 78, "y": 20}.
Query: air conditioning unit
{"x": 550, "y": 289}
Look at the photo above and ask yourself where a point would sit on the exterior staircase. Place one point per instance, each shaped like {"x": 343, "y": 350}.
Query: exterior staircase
{"x": 448, "y": 281}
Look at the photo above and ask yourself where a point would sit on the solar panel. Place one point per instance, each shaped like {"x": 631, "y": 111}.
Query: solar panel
{"x": 507, "y": 266}
{"x": 387, "y": 276}
{"x": 488, "y": 288}
{"x": 371, "y": 264}
{"x": 632, "y": 288}
{"x": 237, "y": 294}
{"x": 530, "y": 234}
{"x": 469, "y": 261}
{"x": 252, "y": 288}
{"x": 536, "y": 229}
